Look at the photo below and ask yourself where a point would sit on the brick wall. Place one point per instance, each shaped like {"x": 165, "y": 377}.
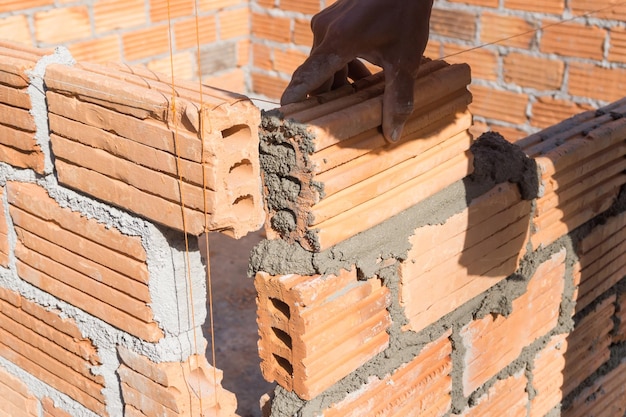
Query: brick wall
{"x": 542, "y": 75}
{"x": 108, "y": 175}
{"x": 489, "y": 283}
{"x": 138, "y": 32}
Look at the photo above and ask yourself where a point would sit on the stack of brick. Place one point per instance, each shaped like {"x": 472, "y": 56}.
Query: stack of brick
{"x": 330, "y": 174}
{"x": 17, "y": 127}
{"x": 128, "y": 137}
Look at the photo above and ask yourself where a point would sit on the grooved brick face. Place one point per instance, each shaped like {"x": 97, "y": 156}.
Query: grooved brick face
{"x": 493, "y": 342}
{"x": 76, "y": 24}
{"x": 484, "y": 3}
{"x": 542, "y": 6}
{"x": 302, "y": 6}
{"x": 534, "y": 72}
{"x": 453, "y": 24}
{"x": 506, "y": 398}
{"x": 273, "y": 28}
{"x": 49, "y": 409}
{"x": 548, "y": 376}
{"x": 4, "y": 236}
{"x": 144, "y": 43}
{"x": 608, "y": 84}
{"x": 161, "y": 10}
{"x": 483, "y": 62}
{"x": 16, "y": 398}
{"x": 15, "y": 28}
{"x": 51, "y": 349}
{"x": 104, "y": 49}
{"x": 420, "y": 387}
{"x": 234, "y": 23}
{"x": 108, "y": 16}
{"x": 609, "y": 9}
{"x": 573, "y": 39}
{"x": 14, "y": 5}
{"x": 617, "y": 52}
{"x": 548, "y": 111}
{"x": 498, "y": 104}
{"x": 496, "y": 27}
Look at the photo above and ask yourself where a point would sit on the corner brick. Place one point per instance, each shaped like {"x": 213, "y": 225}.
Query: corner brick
{"x": 207, "y": 147}
{"x": 315, "y": 330}
{"x": 16, "y": 398}
{"x": 420, "y": 387}
{"x": 606, "y": 397}
{"x": 188, "y": 388}
{"x": 493, "y": 342}
{"x": 348, "y": 177}
{"x": 474, "y": 249}
{"x": 507, "y": 397}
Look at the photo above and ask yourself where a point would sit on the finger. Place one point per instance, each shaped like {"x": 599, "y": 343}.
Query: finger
{"x": 357, "y": 70}
{"x": 316, "y": 70}
{"x": 397, "y": 103}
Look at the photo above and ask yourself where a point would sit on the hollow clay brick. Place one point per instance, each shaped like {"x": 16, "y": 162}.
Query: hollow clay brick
{"x": 17, "y": 399}
{"x": 314, "y": 330}
{"x": 555, "y": 6}
{"x": 573, "y": 39}
{"x": 506, "y": 398}
{"x": 494, "y": 341}
{"x": 363, "y": 172}
{"x": 50, "y": 410}
{"x": 620, "y": 334}
{"x": 419, "y": 387}
{"x": 498, "y": 28}
{"x": 190, "y": 388}
{"x": 548, "y": 376}
{"x": 138, "y": 147}
{"x": 475, "y": 249}
{"x": 605, "y": 398}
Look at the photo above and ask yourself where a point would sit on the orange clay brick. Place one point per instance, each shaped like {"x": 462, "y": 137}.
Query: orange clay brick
{"x": 573, "y": 39}
{"x": 607, "y": 86}
{"x": 506, "y": 30}
{"x": 548, "y": 376}
{"x": 352, "y": 179}
{"x": 287, "y": 61}
{"x": 605, "y": 398}
{"x": 190, "y": 388}
{"x": 50, "y": 410}
{"x": 620, "y": 334}
{"x": 542, "y": 6}
{"x": 145, "y": 43}
{"x": 533, "y": 72}
{"x": 548, "y": 111}
{"x": 474, "y": 249}
{"x": 617, "y": 53}
{"x": 234, "y": 81}
{"x": 268, "y": 85}
{"x": 272, "y": 28}
{"x": 209, "y": 5}
{"x": 506, "y": 398}
{"x": 138, "y": 168}
{"x": 162, "y": 10}
{"x": 302, "y": 6}
{"x": 607, "y": 9}
{"x": 512, "y": 134}
{"x": 602, "y": 261}
{"x": 487, "y": 103}
{"x": 262, "y": 57}
{"x": 36, "y": 354}
{"x": 484, "y": 3}
{"x": 483, "y": 62}
{"x": 233, "y": 23}
{"x": 494, "y": 341}
{"x": 14, "y": 5}
{"x": 420, "y": 387}
{"x": 315, "y": 330}
{"x": 588, "y": 345}
{"x": 16, "y": 29}
{"x": 16, "y": 398}
{"x": 76, "y": 24}
{"x": 103, "y": 49}
{"x": 4, "y": 237}
{"x": 453, "y": 24}
{"x": 107, "y": 16}
{"x": 186, "y": 35}
{"x": 302, "y": 33}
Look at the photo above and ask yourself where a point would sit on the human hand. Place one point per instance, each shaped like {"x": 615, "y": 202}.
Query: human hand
{"x": 389, "y": 33}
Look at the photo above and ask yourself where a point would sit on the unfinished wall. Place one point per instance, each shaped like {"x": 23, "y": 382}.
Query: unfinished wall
{"x": 465, "y": 278}
{"x": 108, "y": 176}
{"x": 543, "y": 75}
{"x": 138, "y": 32}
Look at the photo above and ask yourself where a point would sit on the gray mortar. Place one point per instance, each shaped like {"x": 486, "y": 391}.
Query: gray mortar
{"x": 388, "y": 244}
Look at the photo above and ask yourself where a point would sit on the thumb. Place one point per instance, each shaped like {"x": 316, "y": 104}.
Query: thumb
{"x": 397, "y": 102}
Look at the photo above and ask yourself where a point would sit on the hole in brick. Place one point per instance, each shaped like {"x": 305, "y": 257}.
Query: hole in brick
{"x": 242, "y": 169}
{"x": 283, "y": 363}
{"x": 282, "y": 336}
{"x": 281, "y": 306}
{"x": 237, "y": 136}
{"x": 243, "y": 206}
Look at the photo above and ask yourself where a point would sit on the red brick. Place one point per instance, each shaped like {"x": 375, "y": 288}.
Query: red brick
{"x": 605, "y": 398}
{"x": 287, "y": 61}
{"x": 234, "y": 23}
{"x": 490, "y": 103}
{"x": 548, "y": 376}
{"x": 484, "y": 63}
{"x": 15, "y": 97}
{"x": 617, "y": 53}
{"x": 111, "y": 15}
{"x": 76, "y": 24}
{"x": 210, "y": 5}
{"x": 493, "y": 342}
{"x": 15, "y": 5}
{"x": 475, "y": 249}
{"x": 420, "y": 387}
{"x": 548, "y": 111}
{"x": 302, "y": 6}
{"x": 273, "y": 28}
{"x": 453, "y": 24}
{"x": 49, "y": 409}
{"x": 302, "y": 33}
{"x": 182, "y": 64}
{"x": 16, "y": 398}
{"x": 234, "y": 80}
{"x": 315, "y": 330}
{"x": 262, "y": 57}
{"x": 145, "y": 43}
{"x": 16, "y": 28}
{"x": 162, "y": 10}
{"x": 533, "y": 72}
{"x": 608, "y": 9}
{"x": 268, "y": 85}
{"x": 573, "y": 39}
{"x": 186, "y": 35}
{"x": 506, "y": 398}
{"x": 484, "y": 3}
{"x": 188, "y": 388}
{"x": 607, "y": 85}
{"x": 620, "y": 334}
{"x": 588, "y": 345}
{"x": 542, "y": 6}
{"x": 506, "y": 30}
{"x": 104, "y": 49}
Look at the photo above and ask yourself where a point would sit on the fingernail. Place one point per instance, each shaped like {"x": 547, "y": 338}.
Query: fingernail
{"x": 395, "y": 134}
